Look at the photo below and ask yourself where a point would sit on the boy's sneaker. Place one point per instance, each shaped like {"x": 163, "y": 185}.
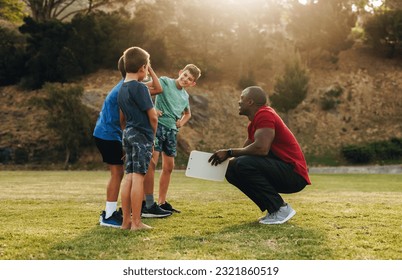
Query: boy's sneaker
{"x": 284, "y": 214}
{"x": 154, "y": 212}
{"x": 113, "y": 221}
{"x": 168, "y": 207}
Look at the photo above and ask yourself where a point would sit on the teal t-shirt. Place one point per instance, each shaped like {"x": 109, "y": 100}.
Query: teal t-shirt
{"x": 172, "y": 102}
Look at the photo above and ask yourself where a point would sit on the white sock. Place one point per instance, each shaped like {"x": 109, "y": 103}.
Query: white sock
{"x": 111, "y": 206}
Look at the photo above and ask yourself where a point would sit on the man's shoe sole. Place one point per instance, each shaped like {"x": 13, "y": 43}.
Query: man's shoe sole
{"x": 291, "y": 214}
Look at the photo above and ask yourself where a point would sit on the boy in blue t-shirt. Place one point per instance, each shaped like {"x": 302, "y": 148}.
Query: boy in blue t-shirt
{"x": 107, "y": 135}
{"x": 174, "y": 112}
{"x": 139, "y": 120}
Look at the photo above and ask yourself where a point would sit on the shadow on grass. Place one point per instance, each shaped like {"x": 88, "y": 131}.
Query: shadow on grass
{"x": 241, "y": 241}
{"x": 256, "y": 241}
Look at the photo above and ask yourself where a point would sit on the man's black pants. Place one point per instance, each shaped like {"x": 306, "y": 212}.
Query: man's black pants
{"x": 263, "y": 178}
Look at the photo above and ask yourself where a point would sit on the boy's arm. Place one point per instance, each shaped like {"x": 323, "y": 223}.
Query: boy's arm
{"x": 153, "y": 119}
{"x": 122, "y": 120}
{"x": 184, "y": 119}
{"x": 154, "y": 86}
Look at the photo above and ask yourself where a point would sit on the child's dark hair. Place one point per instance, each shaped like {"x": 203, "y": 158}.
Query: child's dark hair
{"x": 134, "y": 59}
{"x": 120, "y": 66}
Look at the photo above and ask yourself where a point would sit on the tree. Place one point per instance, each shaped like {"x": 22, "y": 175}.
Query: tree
{"x": 44, "y": 10}
{"x": 11, "y": 10}
{"x": 290, "y": 89}
{"x": 322, "y": 24}
{"x": 12, "y": 56}
{"x": 385, "y": 30}
{"x": 45, "y": 43}
{"x": 67, "y": 117}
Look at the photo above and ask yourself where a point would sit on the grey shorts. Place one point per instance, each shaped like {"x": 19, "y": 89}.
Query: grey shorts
{"x": 166, "y": 140}
{"x": 138, "y": 150}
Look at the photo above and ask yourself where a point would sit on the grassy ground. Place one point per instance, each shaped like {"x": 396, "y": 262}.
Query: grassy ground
{"x": 54, "y": 215}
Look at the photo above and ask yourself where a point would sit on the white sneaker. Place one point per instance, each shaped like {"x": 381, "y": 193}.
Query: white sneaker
{"x": 281, "y": 216}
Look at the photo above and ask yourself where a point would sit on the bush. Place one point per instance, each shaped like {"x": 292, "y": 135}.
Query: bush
{"x": 384, "y": 31}
{"x": 357, "y": 154}
{"x": 291, "y": 89}
{"x": 45, "y": 44}
{"x": 330, "y": 98}
{"x": 12, "y": 57}
{"x": 67, "y": 117}
{"x": 375, "y": 151}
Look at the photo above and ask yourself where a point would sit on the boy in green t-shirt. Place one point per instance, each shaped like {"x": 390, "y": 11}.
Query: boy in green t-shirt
{"x": 174, "y": 112}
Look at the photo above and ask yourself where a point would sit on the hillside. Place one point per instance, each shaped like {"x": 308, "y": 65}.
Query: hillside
{"x": 368, "y": 109}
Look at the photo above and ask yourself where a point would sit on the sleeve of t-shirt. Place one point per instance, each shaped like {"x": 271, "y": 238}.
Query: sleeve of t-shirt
{"x": 264, "y": 120}
{"x": 143, "y": 98}
{"x": 164, "y": 82}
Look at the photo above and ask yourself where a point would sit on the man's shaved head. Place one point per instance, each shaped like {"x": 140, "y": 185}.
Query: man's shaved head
{"x": 256, "y": 94}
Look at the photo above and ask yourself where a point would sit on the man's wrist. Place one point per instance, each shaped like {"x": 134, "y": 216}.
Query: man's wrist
{"x": 230, "y": 153}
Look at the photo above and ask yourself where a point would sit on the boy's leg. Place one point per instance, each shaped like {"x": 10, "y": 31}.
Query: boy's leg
{"x": 113, "y": 188}
{"x": 126, "y": 202}
{"x": 150, "y": 176}
{"x": 164, "y": 180}
{"x": 137, "y": 194}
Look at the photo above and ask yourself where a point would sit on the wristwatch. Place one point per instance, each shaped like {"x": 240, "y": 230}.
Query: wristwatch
{"x": 230, "y": 152}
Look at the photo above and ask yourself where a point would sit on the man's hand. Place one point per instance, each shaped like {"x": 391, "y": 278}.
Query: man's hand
{"x": 218, "y": 157}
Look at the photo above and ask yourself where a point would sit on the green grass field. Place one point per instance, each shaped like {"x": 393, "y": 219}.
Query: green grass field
{"x": 54, "y": 215}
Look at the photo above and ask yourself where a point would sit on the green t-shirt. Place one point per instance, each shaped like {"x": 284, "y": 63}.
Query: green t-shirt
{"x": 172, "y": 102}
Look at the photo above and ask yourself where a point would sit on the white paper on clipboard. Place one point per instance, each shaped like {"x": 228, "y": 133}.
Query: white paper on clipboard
{"x": 199, "y": 167}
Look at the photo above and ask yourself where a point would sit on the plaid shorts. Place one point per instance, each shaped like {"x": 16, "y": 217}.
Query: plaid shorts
{"x": 166, "y": 140}
{"x": 138, "y": 151}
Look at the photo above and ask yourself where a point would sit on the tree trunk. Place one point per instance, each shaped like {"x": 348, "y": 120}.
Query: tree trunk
{"x": 67, "y": 158}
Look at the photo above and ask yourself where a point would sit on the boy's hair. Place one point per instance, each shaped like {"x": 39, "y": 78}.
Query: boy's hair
{"x": 194, "y": 70}
{"x": 120, "y": 66}
{"x": 134, "y": 59}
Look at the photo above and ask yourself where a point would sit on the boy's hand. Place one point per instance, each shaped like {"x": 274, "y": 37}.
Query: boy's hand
{"x": 178, "y": 124}
{"x": 159, "y": 113}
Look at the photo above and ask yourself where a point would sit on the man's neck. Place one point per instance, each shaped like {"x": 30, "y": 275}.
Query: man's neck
{"x": 254, "y": 112}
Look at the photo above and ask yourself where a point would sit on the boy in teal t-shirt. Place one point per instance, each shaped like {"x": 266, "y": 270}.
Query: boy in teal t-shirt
{"x": 174, "y": 112}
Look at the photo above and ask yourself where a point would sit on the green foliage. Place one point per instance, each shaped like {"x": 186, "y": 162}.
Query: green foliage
{"x": 291, "y": 88}
{"x": 61, "y": 52}
{"x": 42, "y": 11}
{"x": 11, "y": 10}
{"x": 375, "y": 151}
{"x": 45, "y": 43}
{"x": 67, "y": 117}
{"x": 98, "y": 40}
{"x": 12, "y": 56}
{"x": 384, "y": 31}
{"x": 322, "y": 24}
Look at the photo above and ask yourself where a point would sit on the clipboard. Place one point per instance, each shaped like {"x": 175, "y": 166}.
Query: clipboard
{"x": 199, "y": 167}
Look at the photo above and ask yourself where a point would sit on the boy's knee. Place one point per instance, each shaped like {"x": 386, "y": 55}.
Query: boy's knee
{"x": 168, "y": 169}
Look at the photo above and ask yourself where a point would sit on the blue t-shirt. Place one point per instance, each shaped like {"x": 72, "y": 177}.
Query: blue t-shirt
{"x": 172, "y": 102}
{"x": 108, "y": 124}
{"x": 135, "y": 100}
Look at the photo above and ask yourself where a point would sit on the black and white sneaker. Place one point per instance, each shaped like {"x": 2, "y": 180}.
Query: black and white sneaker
{"x": 154, "y": 212}
{"x": 168, "y": 207}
